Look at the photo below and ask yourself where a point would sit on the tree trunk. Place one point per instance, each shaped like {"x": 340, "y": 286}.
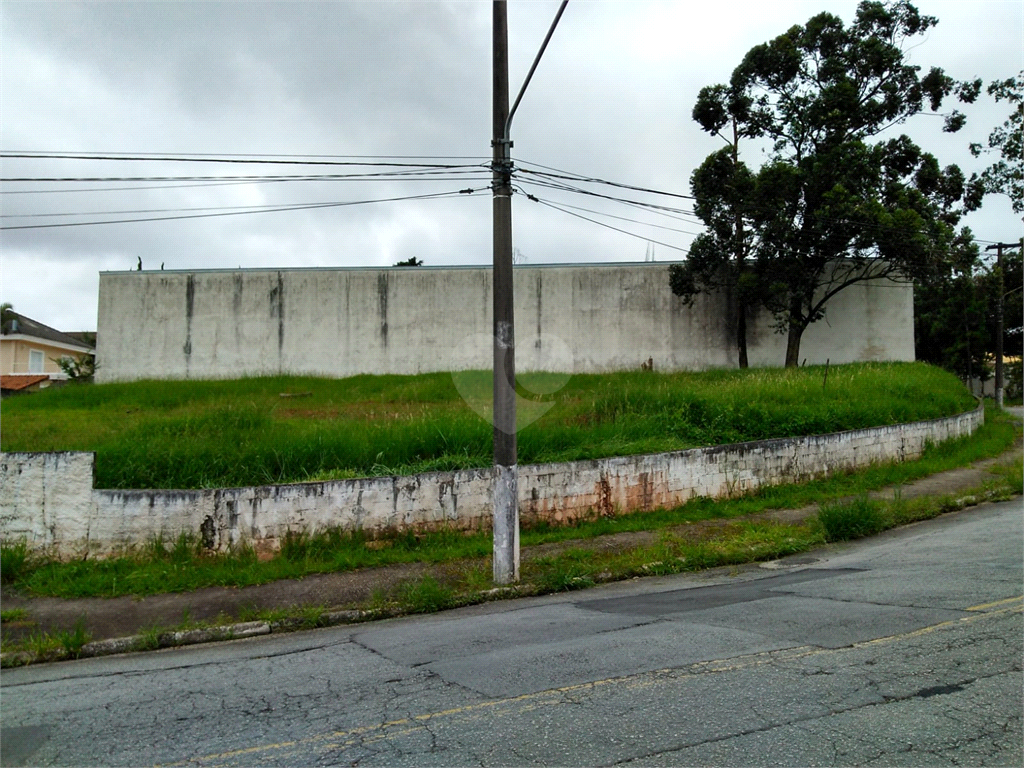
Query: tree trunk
{"x": 741, "y": 333}
{"x": 796, "y": 330}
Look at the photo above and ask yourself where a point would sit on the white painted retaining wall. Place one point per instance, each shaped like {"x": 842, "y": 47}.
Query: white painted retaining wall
{"x": 577, "y": 318}
{"x": 48, "y": 498}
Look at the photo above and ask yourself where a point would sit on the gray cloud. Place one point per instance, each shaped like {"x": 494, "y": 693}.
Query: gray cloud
{"x": 611, "y": 98}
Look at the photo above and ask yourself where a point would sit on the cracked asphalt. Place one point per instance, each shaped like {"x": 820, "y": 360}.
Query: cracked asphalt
{"x": 904, "y": 649}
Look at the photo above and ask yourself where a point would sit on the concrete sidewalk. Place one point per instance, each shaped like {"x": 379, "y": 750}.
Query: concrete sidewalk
{"x": 106, "y": 618}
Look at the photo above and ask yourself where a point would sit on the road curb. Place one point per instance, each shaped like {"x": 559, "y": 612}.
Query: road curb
{"x": 174, "y": 639}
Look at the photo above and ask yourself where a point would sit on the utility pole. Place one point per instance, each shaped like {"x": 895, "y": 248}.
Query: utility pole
{"x": 506, "y": 496}
{"x": 505, "y": 521}
{"x": 999, "y": 317}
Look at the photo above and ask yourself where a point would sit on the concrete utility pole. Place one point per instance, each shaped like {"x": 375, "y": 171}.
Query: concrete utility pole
{"x": 999, "y": 317}
{"x": 506, "y": 495}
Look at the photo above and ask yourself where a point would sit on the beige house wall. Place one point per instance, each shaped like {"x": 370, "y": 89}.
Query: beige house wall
{"x": 7, "y": 356}
{"x": 15, "y": 353}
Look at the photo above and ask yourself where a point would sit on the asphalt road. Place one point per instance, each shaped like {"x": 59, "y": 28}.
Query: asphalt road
{"x": 905, "y": 649}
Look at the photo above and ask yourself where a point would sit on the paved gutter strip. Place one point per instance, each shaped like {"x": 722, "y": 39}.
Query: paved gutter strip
{"x": 173, "y": 639}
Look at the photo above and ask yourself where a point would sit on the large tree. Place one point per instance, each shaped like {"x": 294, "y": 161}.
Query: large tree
{"x": 950, "y": 309}
{"x": 835, "y": 203}
{"x": 1006, "y": 175}
{"x": 955, "y": 312}
{"x": 721, "y": 186}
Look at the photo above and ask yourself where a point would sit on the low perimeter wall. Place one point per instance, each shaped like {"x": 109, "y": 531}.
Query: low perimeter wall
{"x": 48, "y": 498}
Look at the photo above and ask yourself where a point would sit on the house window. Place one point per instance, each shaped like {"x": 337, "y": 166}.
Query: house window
{"x": 35, "y": 361}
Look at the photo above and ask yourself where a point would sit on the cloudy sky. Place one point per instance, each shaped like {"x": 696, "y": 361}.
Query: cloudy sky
{"x": 384, "y": 82}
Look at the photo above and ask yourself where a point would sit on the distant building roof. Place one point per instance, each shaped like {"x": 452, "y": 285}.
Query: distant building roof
{"x": 18, "y": 382}
{"x": 26, "y": 326}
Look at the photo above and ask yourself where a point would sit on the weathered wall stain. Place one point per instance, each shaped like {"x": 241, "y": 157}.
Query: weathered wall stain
{"x": 277, "y": 312}
{"x": 540, "y": 309}
{"x": 382, "y": 306}
{"x": 190, "y": 298}
{"x": 344, "y": 322}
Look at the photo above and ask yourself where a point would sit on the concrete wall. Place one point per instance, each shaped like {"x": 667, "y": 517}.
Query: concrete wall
{"x": 48, "y": 499}
{"x": 341, "y": 322}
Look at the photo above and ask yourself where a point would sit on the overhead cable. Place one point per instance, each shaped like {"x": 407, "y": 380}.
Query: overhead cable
{"x": 397, "y": 175}
{"x": 244, "y": 159}
{"x": 612, "y": 216}
{"x": 608, "y": 226}
{"x": 260, "y": 209}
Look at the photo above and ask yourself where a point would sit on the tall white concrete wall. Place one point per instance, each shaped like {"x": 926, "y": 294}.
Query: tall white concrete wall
{"x": 48, "y": 499}
{"x": 341, "y": 322}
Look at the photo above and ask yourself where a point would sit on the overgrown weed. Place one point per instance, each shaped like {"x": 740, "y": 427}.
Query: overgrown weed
{"x": 49, "y": 646}
{"x": 855, "y": 519}
{"x": 14, "y": 559}
{"x": 202, "y": 434}
{"x": 162, "y": 567}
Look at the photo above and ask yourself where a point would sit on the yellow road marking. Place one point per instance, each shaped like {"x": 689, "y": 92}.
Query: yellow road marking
{"x": 639, "y": 680}
{"x": 997, "y": 603}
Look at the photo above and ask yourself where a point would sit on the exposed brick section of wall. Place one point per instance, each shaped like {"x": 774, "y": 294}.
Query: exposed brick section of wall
{"x": 48, "y": 498}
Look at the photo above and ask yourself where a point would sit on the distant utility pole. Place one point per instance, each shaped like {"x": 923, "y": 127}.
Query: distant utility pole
{"x": 999, "y": 316}
{"x": 506, "y": 494}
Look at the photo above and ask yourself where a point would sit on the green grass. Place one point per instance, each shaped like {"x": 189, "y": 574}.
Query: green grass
{"x": 14, "y": 558}
{"x": 13, "y": 615}
{"x": 49, "y": 646}
{"x": 851, "y": 520}
{"x": 180, "y": 565}
{"x": 200, "y": 434}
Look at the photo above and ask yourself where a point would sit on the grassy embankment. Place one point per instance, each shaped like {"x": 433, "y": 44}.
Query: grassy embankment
{"x": 182, "y": 566}
{"x": 175, "y": 434}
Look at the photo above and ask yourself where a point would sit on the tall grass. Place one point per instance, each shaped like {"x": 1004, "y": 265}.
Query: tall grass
{"x": 194, "y": 434}
{"x": 181, "y": 564}
{"x": 855, "y": 519}
{"x": 14, "y": 558}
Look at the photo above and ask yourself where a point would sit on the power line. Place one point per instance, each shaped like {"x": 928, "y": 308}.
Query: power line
{"x": 263, "y": 209}
{"x": 385, "y": 175}
{"x": 243, "y": 181}
{"x": 570, "y": 176}
{"x": 51, "y": 153}
{"x": 205, "y": 158}
{"x": 637, "y": 203}
{"x": 612, "y": 216}
{"x": 609, "y": 226}
{"x": 135, "y": 189}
